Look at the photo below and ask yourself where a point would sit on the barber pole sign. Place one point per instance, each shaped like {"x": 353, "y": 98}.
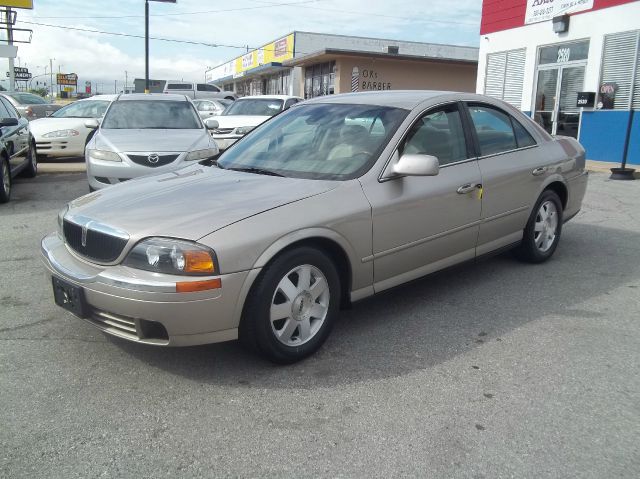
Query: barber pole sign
{"x": 355, "y": 79}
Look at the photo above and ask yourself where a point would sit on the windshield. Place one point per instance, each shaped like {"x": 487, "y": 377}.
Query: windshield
{"x": 83, "y": 109}
{"x": 255, "y": 107}
{"x": 317, "y": 141}
{"x": 150, "y": 114}
{"x": 28, "y": 99}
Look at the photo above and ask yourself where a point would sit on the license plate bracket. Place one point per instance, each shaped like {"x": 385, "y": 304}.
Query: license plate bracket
{"x": 69, "y": 297}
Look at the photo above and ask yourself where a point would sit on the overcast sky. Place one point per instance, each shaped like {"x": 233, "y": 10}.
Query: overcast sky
{"x": 104, "y": 58}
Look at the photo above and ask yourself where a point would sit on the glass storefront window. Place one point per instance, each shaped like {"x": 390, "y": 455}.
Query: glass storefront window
{"x": 564, "y": 52}
{"x": 319, "y": 79}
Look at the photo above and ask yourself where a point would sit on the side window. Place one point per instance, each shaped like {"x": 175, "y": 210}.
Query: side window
{"x": 13, "y": 113}
{"x": 438, "y": 133}
{"x": 4, "y": 113}
{"x": 523, "y": 137}
{"x": 205, "y": 87}
{"x": 179, "y": 86}
{"x": 493, "y": 128}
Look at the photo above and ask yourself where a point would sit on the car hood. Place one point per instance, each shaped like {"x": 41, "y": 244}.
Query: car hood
{"x": 191, "y": 202}
{"x": 233, "y": 121}
{"x": 46, "y": 125}
{"x": 151, "y": 140}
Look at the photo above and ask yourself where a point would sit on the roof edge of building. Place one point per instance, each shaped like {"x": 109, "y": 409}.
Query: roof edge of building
{"x": 359, "y": 53}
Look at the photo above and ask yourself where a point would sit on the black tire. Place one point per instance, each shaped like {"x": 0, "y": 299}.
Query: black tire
{"x": 256, "y": 331}
{"x": 32, "y": 167}
{"x": 529, "y": 250}
{"x": 5, "y": 177}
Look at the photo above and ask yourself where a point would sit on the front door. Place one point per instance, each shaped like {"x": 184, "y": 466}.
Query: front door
{"x": 425, "y": 223}
{"x": 556, "y": 97}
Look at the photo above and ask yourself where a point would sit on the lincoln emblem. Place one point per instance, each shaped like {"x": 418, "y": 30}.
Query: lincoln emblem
{"x": 153, "y": 158}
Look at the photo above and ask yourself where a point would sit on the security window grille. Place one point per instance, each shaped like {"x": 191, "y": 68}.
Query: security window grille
{"x": 620, "y": 65}
{"x": 505, "y": 76}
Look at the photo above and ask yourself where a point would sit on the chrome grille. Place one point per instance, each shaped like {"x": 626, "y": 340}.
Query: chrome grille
{"x": 115, "y": 323}
{"x": 223, "y": 131}
{"x": 98, "y": 245}
{"x": 145, "y": 161}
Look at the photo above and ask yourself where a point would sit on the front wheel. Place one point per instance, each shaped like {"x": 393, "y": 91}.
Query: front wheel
{"x": 5, "y": 180}
{"x": 291, "y": 308}
{"x": 542, "y": 233}
{"x": 32, "y": 166}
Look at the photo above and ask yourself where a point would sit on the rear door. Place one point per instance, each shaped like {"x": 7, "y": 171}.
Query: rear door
{"x": 512, "y": 174}
{"x": 16, "y": 138}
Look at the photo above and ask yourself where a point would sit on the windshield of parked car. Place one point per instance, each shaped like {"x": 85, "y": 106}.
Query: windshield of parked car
{"x": 28, "y": 99}
{"x": 254, "y": 107}
{"x": 317, "y": 141}
{"x": 150, "y": 114}
{"x": 83, "y": 109}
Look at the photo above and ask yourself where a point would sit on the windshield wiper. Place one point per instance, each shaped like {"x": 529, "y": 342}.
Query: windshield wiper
{"x": 259, "y": 171}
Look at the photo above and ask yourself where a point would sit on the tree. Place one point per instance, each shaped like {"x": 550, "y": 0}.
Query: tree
{"x": 39, "y": 91}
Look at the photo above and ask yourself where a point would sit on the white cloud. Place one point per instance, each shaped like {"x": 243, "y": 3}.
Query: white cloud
{"x": 104, "y": 58}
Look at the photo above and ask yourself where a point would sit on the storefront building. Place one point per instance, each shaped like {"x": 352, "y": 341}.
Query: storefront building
{"x": 573, "y": 65}
{"x": 312, "y": 64}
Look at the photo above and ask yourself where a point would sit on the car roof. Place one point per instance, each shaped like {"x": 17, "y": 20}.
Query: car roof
{"x": 407, "y": 99}
{"x": 269, "y": 97}
{"x": 100, "y": 97}
{"x": 151, "y": 96}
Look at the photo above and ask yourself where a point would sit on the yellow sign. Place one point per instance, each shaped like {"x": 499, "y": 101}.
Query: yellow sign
{"x": 17, "y": 3}
{"x": 68, "y": 88}
{"x": 277, "y": 51}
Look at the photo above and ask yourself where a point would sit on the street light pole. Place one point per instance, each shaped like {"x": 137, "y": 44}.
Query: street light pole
{"x": 146, "y": 40}
{"x": 146, "y": 46}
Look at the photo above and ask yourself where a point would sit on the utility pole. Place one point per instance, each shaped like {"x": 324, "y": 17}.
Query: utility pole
{"x": 51, "y": 77}
{"x": 115, "y": 86}
{"x": 146, "y": 46}
{"x": 126, "y": 81}
{"x": 12, "y": 74}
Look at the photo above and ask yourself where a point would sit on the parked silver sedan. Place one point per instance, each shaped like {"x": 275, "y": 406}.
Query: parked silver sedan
{"x": 207, "y": 108}
{"x": 143, "y": 134}
{"x": 328, "y": 203}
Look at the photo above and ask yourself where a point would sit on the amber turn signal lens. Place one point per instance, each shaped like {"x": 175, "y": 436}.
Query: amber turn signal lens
{"x": 193, "y": 286}
{"x": 198, "y": 262}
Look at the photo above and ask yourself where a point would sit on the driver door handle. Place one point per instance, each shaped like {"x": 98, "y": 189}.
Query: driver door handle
{"x": 539, "y": 171}
{"x": 464, "y": 189}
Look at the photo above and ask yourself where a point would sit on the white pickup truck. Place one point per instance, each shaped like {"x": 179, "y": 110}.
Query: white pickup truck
{"x": 197, "y": 90}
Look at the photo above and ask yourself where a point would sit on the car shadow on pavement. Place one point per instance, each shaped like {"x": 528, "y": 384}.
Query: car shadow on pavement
{"x": 430, "y": 320}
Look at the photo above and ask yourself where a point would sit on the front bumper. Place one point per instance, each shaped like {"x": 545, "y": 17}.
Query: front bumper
{"x": 60, "y": 147}
{"x": 139, "y": 305}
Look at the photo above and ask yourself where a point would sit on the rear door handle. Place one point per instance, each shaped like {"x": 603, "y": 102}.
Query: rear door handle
{"x": 539, "y": 171}
{"x": 464, "y": 189}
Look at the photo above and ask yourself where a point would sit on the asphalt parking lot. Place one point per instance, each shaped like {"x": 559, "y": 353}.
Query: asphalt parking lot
{"x": 494, "y": 369}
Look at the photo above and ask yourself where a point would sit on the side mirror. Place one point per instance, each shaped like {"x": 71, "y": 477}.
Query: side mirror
{"x": 211, "y": 123}
{"x": 92, "y": 124}
{"x": 8, "y": 122}
{"x": 417, "y": 165}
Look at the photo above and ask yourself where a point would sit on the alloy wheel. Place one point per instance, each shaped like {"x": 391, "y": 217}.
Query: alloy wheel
{"x": 6, "y": 177}
{"x": 546, "y": 226}
{"x": 299, "y": 305}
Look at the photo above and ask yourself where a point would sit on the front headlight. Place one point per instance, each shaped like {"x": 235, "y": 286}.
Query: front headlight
{"x": 172, "y": 256}
{"x": 104, "y": 155}
{"x": 201, "y": 154}
{"x": 243, "y": 130}
{"x": 61, "y": 214}
{"x": 61, "y": 134}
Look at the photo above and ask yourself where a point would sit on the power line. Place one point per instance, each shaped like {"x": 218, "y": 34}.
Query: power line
{"x": 187, "y": 13}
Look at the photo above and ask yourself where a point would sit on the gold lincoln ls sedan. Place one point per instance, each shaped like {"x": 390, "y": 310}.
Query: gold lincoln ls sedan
{"x": 334, "y": 200}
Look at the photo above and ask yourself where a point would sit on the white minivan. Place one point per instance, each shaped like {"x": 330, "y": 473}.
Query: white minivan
{"x": 197, "y": 90}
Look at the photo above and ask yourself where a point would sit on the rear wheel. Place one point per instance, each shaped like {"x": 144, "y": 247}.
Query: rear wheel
{"x": 5, "y": 180}
{"x": 291, "y": 308}
{"x": 32, "y": 167}
{"x": 542, "y": 233}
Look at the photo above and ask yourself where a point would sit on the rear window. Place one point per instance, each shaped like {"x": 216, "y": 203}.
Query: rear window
{"x": 179, "y": 86}
{"x": 149, "y": 114}
{"x": 28, "y": 98}
{"x": 255, "y": 107}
